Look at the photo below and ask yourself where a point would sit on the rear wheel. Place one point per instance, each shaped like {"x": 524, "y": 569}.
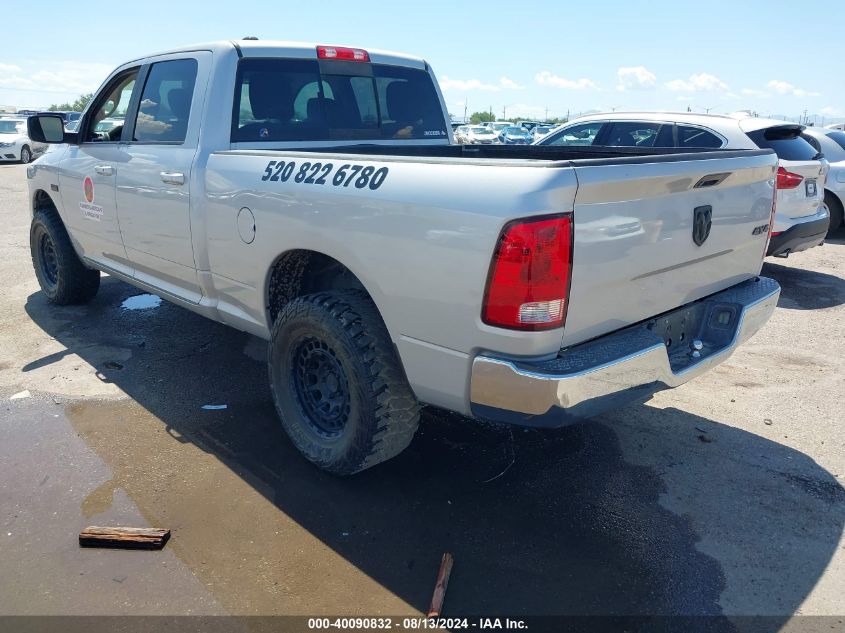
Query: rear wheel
{"x": 26, "y": 154}
{"x": 337, "y": 384}
{"x": 834, "y": 207}
{"x": 61, "y": 274}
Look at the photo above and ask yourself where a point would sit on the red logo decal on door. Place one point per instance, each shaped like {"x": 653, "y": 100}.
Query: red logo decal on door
{"x": 88, "y": 188}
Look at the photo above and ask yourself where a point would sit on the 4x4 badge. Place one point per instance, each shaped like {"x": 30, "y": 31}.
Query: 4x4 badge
{"x": 702, "y": 220}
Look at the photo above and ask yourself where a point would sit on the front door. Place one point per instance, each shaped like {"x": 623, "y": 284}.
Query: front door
{"x": 88, "y": 176}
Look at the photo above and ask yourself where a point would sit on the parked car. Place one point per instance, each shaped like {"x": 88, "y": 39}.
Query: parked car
{"x": 478, "y": 135}
{"x": 835, "y": 126}
{"x": 551, "y": 289}
{"x": 15, "y": 144}
{"x": 539, "y": 131}
{"x": 831, "y": 143}
{"x": 514, "y": 135}
{"x": 497, "y": 126}
{"x": 801, "y": 220}
{"x": 461, "y": 134}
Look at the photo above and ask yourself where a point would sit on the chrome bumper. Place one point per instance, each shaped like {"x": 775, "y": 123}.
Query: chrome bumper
{"x": 623, "y": 367}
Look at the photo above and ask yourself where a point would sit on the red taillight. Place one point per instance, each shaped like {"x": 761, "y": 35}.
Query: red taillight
{"x": 788, "y": 180}
{"x": 528, "y": 284}
{"x": 345, "y": 54}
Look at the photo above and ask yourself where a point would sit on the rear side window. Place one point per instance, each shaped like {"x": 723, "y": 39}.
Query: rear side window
{"x": 305, "y": 100}
{"x": 584, "y": 134}
{"x": 786, "y": 142}
{"x": 166, "y": 101}
{"x": 689, "y": 136}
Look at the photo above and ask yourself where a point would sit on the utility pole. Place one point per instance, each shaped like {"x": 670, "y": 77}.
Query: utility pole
{"x": 805, "y": 116}
{"x": 504, "y": 112}
{"x": 465, "y": 109}
{"x": 547, "y": 114}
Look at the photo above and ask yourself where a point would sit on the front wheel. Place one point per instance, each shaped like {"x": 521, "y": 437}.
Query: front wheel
{"x": 61, "y": 274}
{"x": 337, "y": 383}
{"x": 26, "y": 154}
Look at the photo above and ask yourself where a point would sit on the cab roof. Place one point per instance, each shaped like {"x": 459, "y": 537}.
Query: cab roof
{"x": 283, "y": 48}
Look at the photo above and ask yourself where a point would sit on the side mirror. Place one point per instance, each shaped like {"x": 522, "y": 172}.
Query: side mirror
{"x": 48, "y": 128}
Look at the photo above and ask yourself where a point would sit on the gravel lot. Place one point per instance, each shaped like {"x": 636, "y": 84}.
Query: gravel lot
{"x": 721, "y": 497}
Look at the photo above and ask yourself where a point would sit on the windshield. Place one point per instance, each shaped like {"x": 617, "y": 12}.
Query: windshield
{"x": 9, "y": 127}
{"x": 541, "y": 129}
{"x": 498, "y": 126}
{"x": 479, "y": 130}
{"x": 516, "y": 131}
{"x": 785, "y": 141}
{"x": 107, "y": 125}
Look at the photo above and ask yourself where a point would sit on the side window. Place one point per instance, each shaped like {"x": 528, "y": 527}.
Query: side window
{"x": 584, "y": 134}
{"x": 105, "y": 122}
{"x": 166, "y": 101}
{"x": 633, "y": 134}
{"x": 697, "y": 137}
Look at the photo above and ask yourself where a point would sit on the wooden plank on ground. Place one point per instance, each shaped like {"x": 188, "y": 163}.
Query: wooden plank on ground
{"x": 440, "y": 586}
{"x": 123, "y": 537}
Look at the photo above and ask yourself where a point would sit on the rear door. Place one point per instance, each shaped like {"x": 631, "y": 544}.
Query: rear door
{"x": 154, "y": 181}
{"x": 655, "y": 233}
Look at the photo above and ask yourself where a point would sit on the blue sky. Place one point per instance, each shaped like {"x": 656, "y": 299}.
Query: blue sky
{"x": 521, "y": 59}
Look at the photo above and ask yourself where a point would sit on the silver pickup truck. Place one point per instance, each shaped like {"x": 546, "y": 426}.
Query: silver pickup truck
{"x": 310, "y": 195}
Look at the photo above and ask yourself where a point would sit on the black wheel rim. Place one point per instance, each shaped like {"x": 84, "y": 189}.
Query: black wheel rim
{"x": 47, "y": 259}
{"x": 321, "y": 386}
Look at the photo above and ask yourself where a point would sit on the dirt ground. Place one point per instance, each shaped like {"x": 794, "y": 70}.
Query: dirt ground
{"x": 724, "y": 496}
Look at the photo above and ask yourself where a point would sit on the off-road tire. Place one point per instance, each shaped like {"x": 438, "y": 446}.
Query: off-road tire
{"x": 834, "y": 207}
{"x": 62, "y": 276}
{"x": 381, "y": 412}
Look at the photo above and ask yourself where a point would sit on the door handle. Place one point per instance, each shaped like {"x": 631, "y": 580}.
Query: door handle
{"x": 173, "y": 177}
{"x": 104, "y": 170}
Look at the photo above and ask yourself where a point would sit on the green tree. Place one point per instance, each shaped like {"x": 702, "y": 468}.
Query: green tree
{"x": 480, "y": 117}
{"x": 76, "y": 106}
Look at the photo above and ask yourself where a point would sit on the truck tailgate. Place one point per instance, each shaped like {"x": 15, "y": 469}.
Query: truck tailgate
{"x": 635, "y": 253}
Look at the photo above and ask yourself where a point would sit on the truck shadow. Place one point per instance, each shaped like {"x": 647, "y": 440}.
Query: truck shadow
{"x": 577, "y": 520}
{"x": 805, "y": 289}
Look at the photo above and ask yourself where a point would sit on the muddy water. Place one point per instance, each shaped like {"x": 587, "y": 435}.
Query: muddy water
{"x": 568, "y": 528}
{"x": 249, "y": 553}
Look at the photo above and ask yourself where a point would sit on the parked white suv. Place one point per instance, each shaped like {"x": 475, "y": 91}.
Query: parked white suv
{"x": 831, "y": 143}
{"x": 801, "y": 219}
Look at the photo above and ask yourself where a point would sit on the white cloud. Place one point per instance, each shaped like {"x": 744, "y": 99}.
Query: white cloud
{"x": 476, "y": 84}
{"x": 635, "y": 78}
{"x": 752, "y": 92}
{"x": 545, "y": 78}
{"x": 9, "y": 68}
{"x": 699, "y": 82}
{"x": 784, "y": 88}
{"x": 509, "y": 84}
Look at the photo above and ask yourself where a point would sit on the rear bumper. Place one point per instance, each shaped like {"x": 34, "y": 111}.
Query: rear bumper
{"x": 799, "y": 237}
{"x": 623, "y": 367}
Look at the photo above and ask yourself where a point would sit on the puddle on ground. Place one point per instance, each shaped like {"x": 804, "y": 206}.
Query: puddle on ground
{"x": 569, "y": 520}
{"x": 249, "y": 553}
{"x": 141, "y": 302}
